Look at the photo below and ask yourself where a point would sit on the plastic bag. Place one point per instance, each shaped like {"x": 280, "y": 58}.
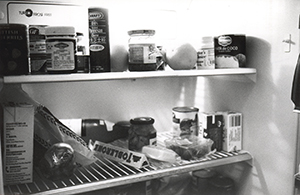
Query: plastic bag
{"x": 48, "y": 130}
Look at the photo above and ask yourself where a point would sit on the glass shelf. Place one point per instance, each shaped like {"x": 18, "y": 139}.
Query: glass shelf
{"x": 46, "y": 78}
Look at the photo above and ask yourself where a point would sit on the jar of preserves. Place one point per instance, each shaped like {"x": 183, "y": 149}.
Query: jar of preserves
{"x": 61, "y": 44}
{"x": 142, "y": 50}
{"x": 141, "y": 133}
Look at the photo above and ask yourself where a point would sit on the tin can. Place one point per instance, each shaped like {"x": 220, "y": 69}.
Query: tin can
{"x": 185, "y": 121}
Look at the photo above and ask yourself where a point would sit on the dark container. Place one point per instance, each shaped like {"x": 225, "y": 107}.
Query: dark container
{"x": 99, "y": 40}
{"x": 14, "y": 49}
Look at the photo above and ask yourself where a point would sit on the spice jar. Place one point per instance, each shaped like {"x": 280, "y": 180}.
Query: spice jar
{"x": 61, "y": 43}
{"x": 142, "y": 50}
{"x": 141, "y": 133}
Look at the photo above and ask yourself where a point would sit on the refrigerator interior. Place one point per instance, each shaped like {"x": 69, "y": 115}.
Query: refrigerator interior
{"x": 269, "y": 125}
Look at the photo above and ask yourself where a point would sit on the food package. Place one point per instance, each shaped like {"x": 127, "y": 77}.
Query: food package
{"x": 232, "y": 131}
{"x": 212, "y": 125}
{"x": 17, "y": 142}
{"x": 190, "y": 148}
{"x": 230, "y": 51}
{"x": 48, "y": 130}
{"x": 119, "y": 154}
{"x": 161, "y": 154}
{"x": 58, "y": 162}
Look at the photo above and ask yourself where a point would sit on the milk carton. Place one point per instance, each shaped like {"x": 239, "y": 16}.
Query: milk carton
{"x": 17, "y": 138}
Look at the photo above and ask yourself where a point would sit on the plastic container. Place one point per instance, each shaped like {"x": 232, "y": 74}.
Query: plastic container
{"x": 61, "y": 43}
{"x": 206, "y": 54}
{"x": 200, "y": 181}
{"x": 221, "y": 185}
{"x": 142, "y": 50}
{"x": 141, "y": 133}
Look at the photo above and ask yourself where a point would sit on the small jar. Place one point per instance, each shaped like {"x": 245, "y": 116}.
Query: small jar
{"x": 61, "y": 43}
{"x": 141, "y": 133}
{"x": 206, "y": 54}
{"x": 142, "y": 50}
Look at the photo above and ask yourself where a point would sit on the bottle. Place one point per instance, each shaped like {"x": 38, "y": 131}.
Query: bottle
{"x": 141, "y": 133}
{"x": 142, "y": 50}
{"x": 61, "y": 43}
{"x": 206, "y": 54}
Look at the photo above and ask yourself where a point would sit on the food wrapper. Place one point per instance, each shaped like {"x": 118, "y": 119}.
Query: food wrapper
{"x": 190, "y": 148}
{"x": 48, "y": 130}
{"x": 115, "y": 153}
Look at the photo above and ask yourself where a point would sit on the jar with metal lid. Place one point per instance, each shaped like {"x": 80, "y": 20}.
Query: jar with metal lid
{"x": 61, "y": 43}
{"x": 142, "y": 50}
{"x": 141, "y": 133}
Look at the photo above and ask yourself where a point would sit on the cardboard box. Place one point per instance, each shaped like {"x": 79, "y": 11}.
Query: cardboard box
{"x": 212, "y": 127}
{"x": 17, "y": 139}
{"x": 230, "y": 51}
{"x": 232, "y": 131}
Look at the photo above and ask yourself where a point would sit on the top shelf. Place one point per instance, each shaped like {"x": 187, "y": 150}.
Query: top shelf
{"x": 48, "y": 78}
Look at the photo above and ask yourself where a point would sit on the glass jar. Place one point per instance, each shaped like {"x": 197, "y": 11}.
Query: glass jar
{"x": 206, "y": 54}
{"x": 142, "y": 50}
{"x": 61, "y": 43}
{"x": 141, "y": 133}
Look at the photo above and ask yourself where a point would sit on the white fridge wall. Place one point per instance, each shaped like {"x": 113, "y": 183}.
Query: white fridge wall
{"x": 269, "y": 124}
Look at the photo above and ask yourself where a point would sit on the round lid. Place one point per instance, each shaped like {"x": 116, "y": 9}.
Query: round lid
{"x": 185, "y": 109}
{"x": 60, "y": 30}
{"x": 141, "y": 32}
{"x": 204, "y": 173}
{"x": 142, "y": 121}
{"x": 222, "y": 182}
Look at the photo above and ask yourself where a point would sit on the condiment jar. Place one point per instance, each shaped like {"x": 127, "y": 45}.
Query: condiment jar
{"x": 142, "y": 50}
{"x": 206, "y": 54}
{"x": 141, "y": 133}
{"x": 61, "y": 43}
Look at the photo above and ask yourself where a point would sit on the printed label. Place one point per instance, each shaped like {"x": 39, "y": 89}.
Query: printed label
{"x": 142, "y": 54}
{"x": 63, "y": 57}
{"x": 206, "y": 59}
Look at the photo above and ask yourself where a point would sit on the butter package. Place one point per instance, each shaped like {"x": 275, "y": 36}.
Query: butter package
{"x": 232, "y": 131}
{"x": 18, "y": 123}
{"x": 122, "y": 155}
{"x": 230, "y": 51}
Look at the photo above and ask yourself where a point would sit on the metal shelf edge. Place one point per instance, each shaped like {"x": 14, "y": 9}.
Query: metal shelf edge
{"x": 243, "y": 157}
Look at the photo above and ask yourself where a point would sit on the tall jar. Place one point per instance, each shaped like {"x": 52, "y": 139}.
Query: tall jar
{"x": 142, "y": 50}
{"x": 61, "y": 44}
{"x": 141, "y": 133}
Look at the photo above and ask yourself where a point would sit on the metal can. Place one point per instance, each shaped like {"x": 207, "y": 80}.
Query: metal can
{"x": 141, "y": 133}
{"x": 185, "y": 121}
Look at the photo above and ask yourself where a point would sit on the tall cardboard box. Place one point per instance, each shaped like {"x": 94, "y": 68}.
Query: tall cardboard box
{"x": 232, "y": 131}
{"x": 17, "y": 142}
